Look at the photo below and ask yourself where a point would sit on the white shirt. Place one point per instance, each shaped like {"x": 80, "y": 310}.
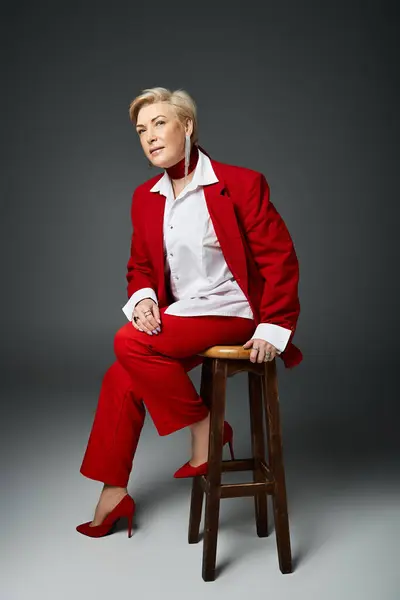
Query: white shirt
{"x": 200, "y": 280}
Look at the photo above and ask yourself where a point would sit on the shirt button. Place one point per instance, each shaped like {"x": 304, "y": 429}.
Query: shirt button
{"x": 170, "y": 254}
{"x": 171, "y": 227}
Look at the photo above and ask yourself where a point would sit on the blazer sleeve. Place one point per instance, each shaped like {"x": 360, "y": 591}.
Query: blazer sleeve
{"x": 139, "y": 269}
{"x": 274, "y": 254}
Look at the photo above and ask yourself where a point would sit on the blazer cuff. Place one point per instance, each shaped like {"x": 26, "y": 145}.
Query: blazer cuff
{"x": 273, "y": 334}
{"x": 137, "y": 297}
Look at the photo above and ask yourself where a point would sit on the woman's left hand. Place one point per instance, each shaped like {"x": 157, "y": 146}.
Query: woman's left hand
{"x": 263, "y": 348}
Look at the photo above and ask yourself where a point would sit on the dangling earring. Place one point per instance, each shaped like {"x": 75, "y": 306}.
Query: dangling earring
{"x": 187, "y": 154}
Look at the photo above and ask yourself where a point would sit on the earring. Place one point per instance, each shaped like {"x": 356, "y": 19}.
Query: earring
{"x": 187, "y": 154}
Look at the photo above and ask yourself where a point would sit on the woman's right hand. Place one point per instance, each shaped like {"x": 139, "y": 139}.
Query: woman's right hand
{"x": 149, "y": 322}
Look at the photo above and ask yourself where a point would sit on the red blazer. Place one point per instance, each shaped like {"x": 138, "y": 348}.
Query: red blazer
{"x": 254, "y": 239}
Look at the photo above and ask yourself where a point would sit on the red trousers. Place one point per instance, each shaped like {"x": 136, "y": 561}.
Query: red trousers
{"x": 151, "y": 372}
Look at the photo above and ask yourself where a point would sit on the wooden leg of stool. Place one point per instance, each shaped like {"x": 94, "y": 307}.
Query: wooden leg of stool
{"x": 258, "y": 450}
{"x": 196, "y": 502}
{"x": 275, "y": 452}
{"x": 211, "y": 520}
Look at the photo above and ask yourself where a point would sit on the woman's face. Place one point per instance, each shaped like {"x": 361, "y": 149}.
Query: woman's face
{"x": 161, "y": 134}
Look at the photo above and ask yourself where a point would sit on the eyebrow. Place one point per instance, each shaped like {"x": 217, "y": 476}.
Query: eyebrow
{"x": 138, "y": 124}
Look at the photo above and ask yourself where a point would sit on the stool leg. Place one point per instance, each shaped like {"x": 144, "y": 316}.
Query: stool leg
{"x": 258, "y": 450}
{"x": 215, "y": 448}
{"x": 196, "y": 502}
{"x": 275, "y": 453}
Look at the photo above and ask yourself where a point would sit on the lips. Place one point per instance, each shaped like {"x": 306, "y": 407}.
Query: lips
{"x": 155, "y": 149}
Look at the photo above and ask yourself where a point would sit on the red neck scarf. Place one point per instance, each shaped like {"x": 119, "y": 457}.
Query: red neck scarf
{"x": 178, "y": 171}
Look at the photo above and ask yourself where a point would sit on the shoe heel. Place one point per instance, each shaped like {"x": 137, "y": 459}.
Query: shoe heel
{"x": 231, "y": 448}
{"x": 130, "y": 518}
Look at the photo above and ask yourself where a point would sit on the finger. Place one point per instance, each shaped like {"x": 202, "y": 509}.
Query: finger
{"x": 142, "y": 322}
{"x": 156, "y": 313}
{"x": 135, "y": 325}
{"x": 270, "y": 356}
{"x": 265, "y": 353}
{"x": 260, "y": 356}
{"x": 253, "y": 355}
{"x": 149, "y": 318}
{"x": 148, "y": 322}
{"x": 152, "y": 322}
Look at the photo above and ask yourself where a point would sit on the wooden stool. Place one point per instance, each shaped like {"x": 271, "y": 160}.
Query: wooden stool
{"x": 221, "y": 362}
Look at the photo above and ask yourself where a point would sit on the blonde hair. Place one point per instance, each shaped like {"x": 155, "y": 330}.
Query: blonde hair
{"x": 181, "y": 101}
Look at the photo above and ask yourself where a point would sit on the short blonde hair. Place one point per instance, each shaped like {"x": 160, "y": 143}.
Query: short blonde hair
{"x": 181, "y": 101}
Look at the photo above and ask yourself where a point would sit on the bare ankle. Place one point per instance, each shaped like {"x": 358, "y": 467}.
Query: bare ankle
{"x": 199, "y": 424}
{"x": 114, "y": 489}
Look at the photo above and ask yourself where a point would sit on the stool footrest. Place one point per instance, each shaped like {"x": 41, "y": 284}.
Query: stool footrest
{"x": 243, "y": 464}
{"x": 238, "y": 490}
{"x": 247, "y": 464}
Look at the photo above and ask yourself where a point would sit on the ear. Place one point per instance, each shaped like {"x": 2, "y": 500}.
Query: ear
{"x": 189, "y": 127}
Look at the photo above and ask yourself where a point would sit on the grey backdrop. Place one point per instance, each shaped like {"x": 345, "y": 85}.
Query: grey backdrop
{"x": 305, "y": 92}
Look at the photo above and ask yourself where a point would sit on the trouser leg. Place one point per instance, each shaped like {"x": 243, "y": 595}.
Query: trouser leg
{"x": 155, "y": 363}
{"x": 146, "y": 376}
{"x": 116, "y": 429}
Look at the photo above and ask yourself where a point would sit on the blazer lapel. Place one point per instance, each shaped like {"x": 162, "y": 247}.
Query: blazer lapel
{"x": 223, "y": 216}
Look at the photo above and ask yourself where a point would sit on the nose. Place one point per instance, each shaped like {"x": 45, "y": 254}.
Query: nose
{"x": 150, "y": 137}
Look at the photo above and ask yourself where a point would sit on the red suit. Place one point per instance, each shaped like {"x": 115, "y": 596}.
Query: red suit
{"x": 151, "y": 371}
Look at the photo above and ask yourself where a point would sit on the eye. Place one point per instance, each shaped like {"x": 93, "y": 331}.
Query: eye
{"x": 140, "y": 131}
{"x": 160, "y": 122}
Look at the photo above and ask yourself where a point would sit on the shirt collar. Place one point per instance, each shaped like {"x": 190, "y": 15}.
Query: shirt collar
{"x": 203, "y": 175}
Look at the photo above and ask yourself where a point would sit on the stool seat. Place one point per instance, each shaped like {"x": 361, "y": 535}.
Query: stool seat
{"x": 230, "y": 352}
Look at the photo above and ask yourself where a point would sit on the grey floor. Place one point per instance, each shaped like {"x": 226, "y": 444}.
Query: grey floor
{"x": 342, "y": 473}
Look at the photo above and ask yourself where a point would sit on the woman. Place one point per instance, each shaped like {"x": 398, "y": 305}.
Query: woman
{"x": 211, "y": 262}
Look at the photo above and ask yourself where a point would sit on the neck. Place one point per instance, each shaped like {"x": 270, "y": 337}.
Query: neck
{"x": 177, "y": 171}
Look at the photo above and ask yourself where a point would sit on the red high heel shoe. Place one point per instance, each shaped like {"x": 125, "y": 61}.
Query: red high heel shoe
{"x": 187, "y": 470}
{"x": 125, "y": 508}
